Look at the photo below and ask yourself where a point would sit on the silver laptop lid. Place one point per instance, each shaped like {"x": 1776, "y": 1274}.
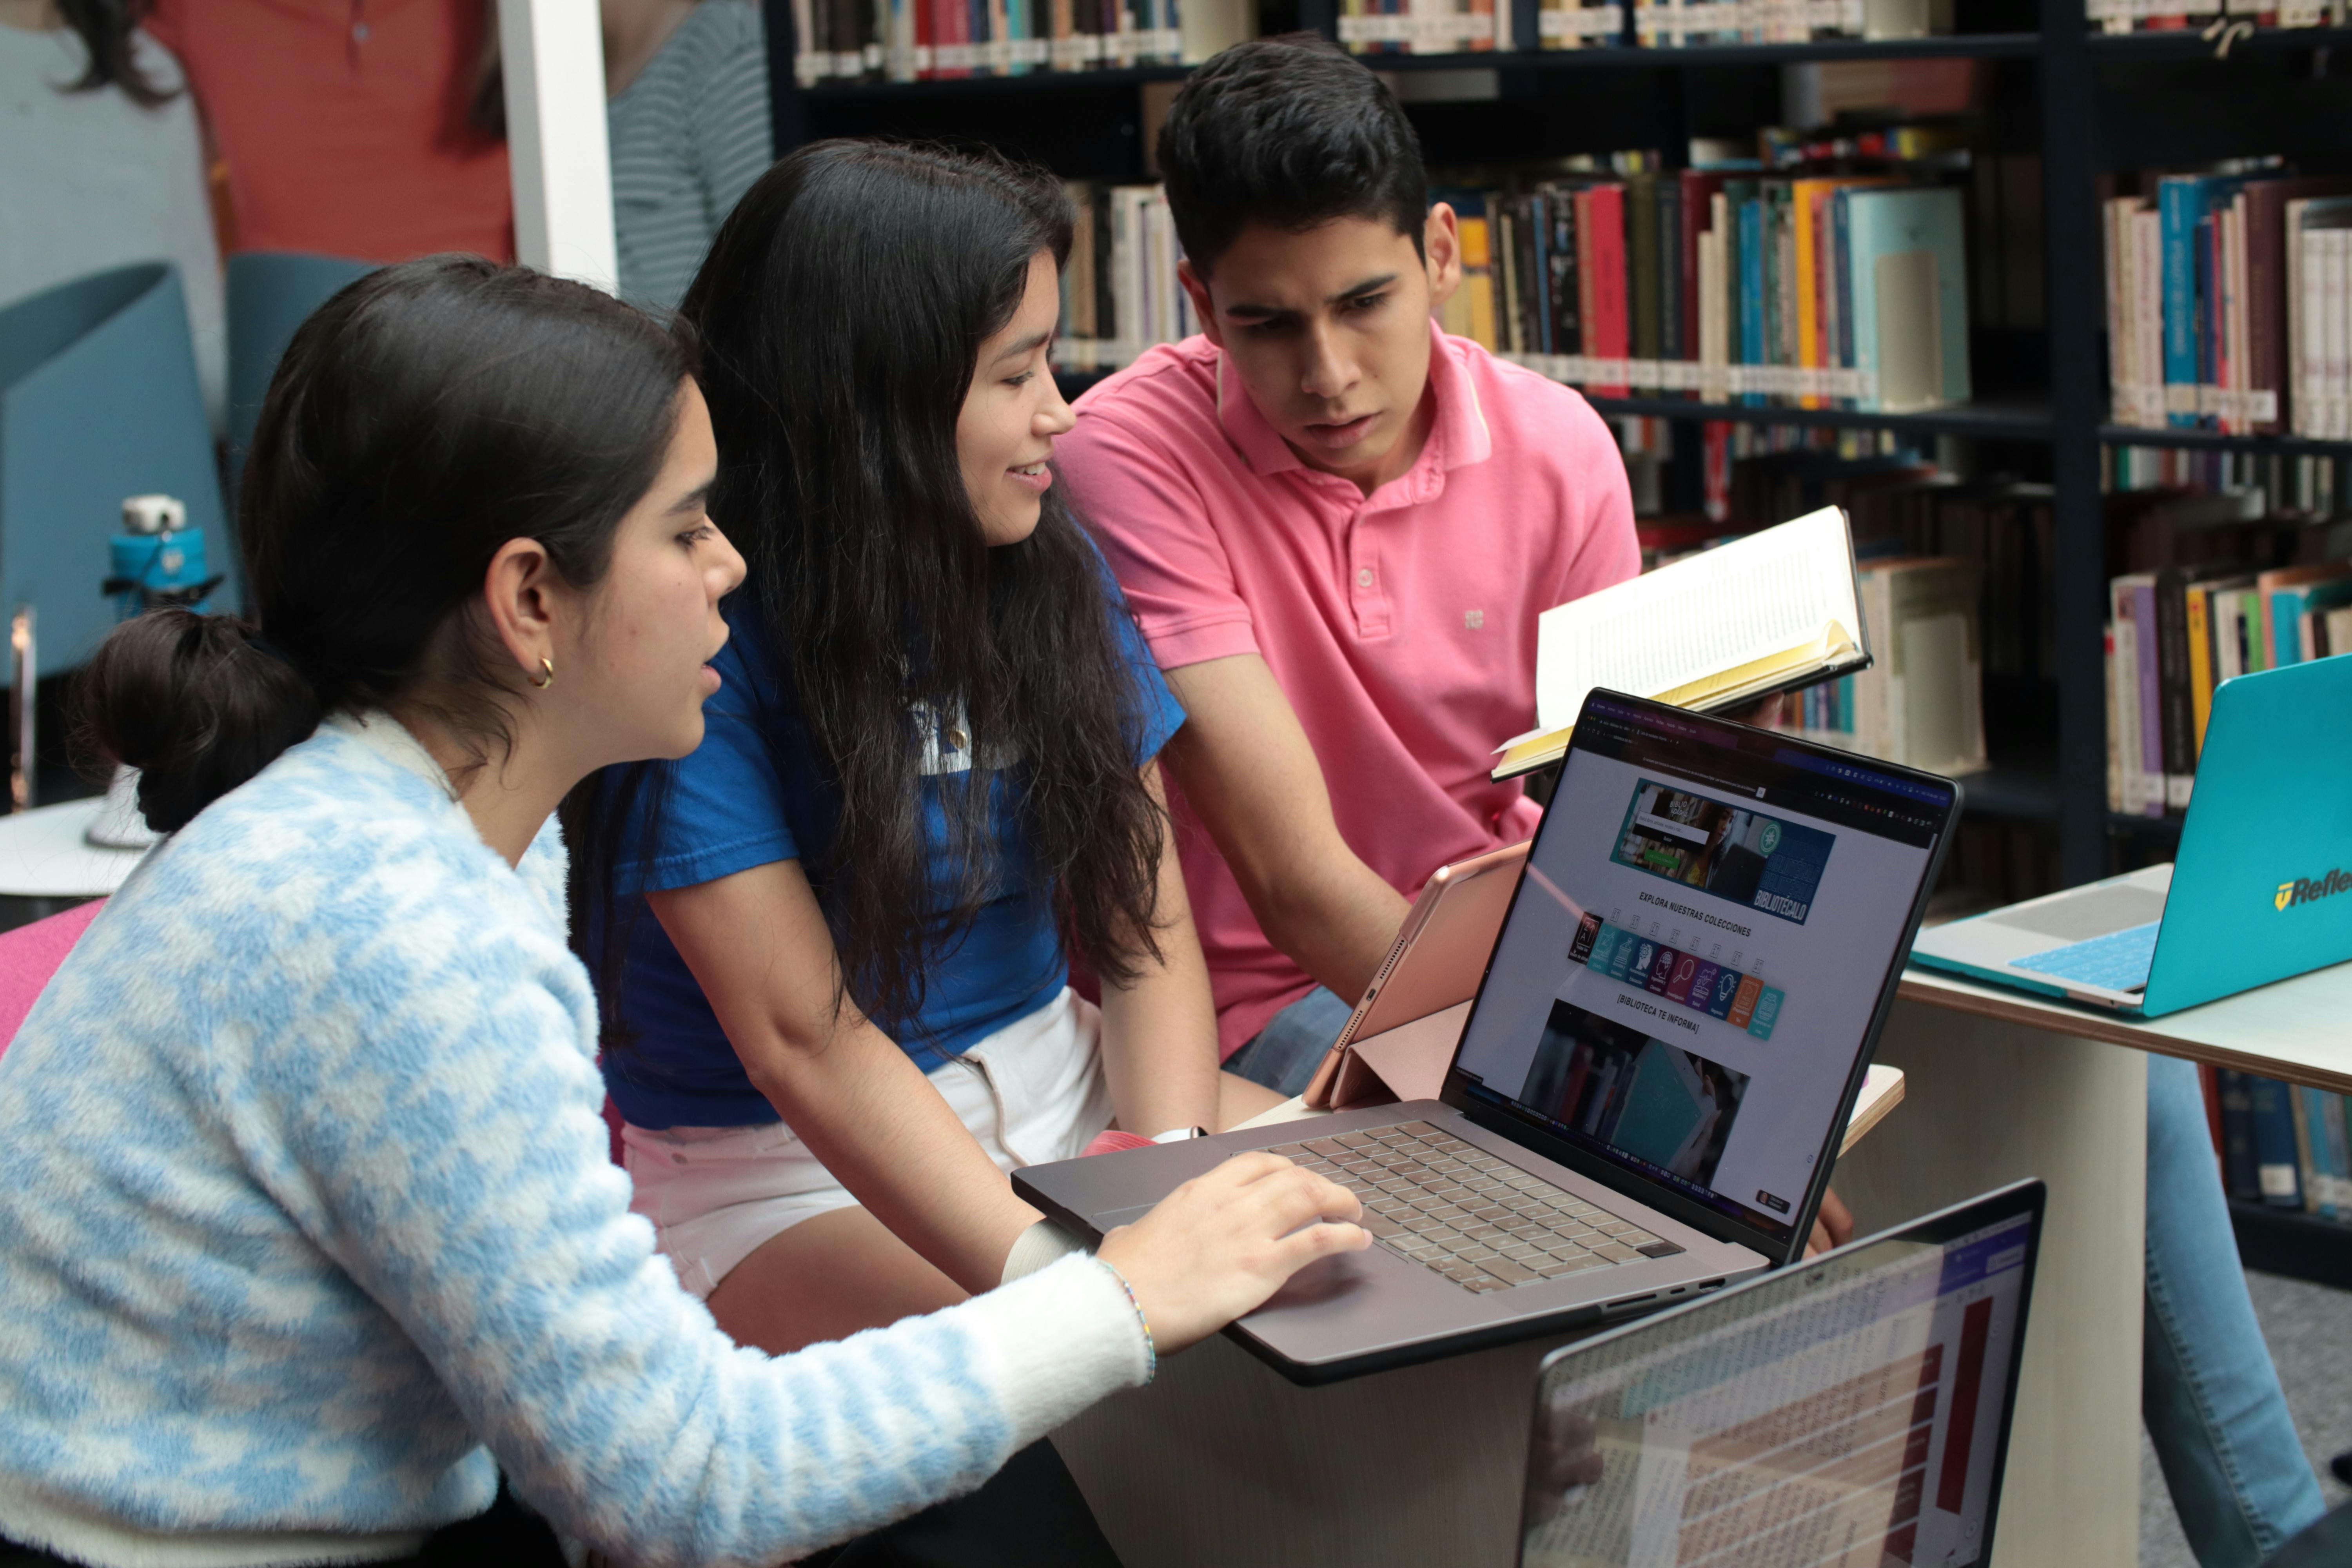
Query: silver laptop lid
{"x": 1696, "y": 963}
{"x": 1851, "y": 1412}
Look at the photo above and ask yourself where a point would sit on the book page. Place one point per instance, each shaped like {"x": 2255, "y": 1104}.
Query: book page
{"x": 1728, "y": 606}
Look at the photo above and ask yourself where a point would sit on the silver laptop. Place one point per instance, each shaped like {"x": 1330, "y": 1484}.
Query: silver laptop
{"x": 1649, "y": 1087}
{"x": 1854, "y": 1412}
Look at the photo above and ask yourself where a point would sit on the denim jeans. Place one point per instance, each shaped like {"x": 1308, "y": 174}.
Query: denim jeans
{"x": 1286, "y": 1053}
{"x": 2239, "y": 1478}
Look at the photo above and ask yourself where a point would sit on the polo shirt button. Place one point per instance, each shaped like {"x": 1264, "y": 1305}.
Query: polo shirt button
{"x": 1364, "y": 578}
{"x": 358, "y": 32}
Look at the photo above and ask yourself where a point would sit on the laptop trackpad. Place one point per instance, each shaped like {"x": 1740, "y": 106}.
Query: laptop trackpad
{"x": 2084, "y": 915}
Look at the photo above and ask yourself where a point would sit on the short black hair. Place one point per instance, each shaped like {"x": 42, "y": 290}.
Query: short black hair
{"x": 1291, "y": 133}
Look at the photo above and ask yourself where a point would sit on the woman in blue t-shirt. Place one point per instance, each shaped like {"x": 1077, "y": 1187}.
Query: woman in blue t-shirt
{"x": 929, "y": 767}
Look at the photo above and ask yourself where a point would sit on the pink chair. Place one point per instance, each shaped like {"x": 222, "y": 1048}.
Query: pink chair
{"x": 30, "y": 954}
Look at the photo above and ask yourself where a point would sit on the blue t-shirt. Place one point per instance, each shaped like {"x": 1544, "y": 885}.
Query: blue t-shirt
{"x": 754, "y": 792}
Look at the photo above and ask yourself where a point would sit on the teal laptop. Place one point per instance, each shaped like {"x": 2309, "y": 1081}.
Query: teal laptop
{"x": 2262, "y": 889}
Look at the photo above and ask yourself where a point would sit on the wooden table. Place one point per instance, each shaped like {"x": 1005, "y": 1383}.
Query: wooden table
{"x": 1223, "y": 1462}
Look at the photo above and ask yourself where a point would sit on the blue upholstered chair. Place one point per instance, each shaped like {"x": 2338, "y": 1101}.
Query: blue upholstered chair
{"x": 99, "y": 401}
{"x": 270, "y": 293}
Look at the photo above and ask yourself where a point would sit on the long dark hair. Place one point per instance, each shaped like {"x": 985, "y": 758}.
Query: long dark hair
{"x": 841, "y": 313}
{"x": 105, "y": 27}
{"x": 423, "y": 418}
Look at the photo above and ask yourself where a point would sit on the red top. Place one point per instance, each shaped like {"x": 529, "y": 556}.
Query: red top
{"x": 342, "y": 122}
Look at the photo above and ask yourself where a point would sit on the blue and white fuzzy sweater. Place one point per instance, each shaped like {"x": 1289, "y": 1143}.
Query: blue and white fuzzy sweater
{"x": 307, "y": 1227}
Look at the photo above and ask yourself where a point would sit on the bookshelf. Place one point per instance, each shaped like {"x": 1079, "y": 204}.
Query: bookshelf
{"x": 2085, "y": 102}
{"x": 2299, "y": 1246}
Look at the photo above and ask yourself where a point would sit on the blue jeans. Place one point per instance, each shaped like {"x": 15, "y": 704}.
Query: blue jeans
{"x": 2238, "y": 1475}
{"x": 2239, "y": 1478}
{"x": 1286, "y": 1053}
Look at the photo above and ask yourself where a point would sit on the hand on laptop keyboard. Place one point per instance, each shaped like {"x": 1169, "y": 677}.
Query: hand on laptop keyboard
{"x": 1221, "y": 1243}
{"x": 1477, "y": 1219}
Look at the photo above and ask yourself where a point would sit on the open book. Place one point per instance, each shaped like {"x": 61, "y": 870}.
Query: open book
{"x": 1773, "y": 612}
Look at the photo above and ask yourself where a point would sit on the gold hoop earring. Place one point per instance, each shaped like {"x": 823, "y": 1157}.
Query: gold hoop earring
{"x": 548, "y": 680}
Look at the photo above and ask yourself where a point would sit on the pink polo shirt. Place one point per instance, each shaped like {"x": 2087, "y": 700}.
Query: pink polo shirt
{"x": 1402, "y": 626}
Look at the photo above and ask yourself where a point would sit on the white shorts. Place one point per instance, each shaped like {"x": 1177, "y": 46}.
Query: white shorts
{"x": 1033, "y": 1093}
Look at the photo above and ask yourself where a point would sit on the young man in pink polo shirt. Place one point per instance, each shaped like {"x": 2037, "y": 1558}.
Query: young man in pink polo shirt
{"x": 1337, "y": 526}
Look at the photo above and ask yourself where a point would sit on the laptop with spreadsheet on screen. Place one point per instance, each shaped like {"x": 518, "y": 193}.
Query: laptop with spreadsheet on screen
{"x": 1851, "y": 1412}
{"x": 1649, "y": 1087}
{"x": 2260, "y": 889}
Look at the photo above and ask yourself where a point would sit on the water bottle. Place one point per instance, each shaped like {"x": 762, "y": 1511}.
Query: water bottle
{"x": 158, "y": 560}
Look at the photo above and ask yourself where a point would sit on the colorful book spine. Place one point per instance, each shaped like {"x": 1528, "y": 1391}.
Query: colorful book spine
{"x": 2180, "y": 205}
{"x": 2197, "y": 608}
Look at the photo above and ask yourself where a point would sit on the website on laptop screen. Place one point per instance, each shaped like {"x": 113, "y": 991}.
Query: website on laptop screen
{"x": 1693, "y": 956}
{"x": 1847, "y": 1412}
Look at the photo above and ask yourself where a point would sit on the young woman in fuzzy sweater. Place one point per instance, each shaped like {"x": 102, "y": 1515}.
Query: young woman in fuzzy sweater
{"x": 308, "y": 1230}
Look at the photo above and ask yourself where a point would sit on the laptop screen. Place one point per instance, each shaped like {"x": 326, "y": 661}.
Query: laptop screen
{"x": 1850, "y": 1412}
{"x": 1684, "y": 983}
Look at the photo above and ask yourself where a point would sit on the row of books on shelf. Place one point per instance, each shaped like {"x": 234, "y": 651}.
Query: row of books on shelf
{"x": 2282, "y": 1145}
{"x": 1921, "y": 702}
{"x": 925, "y": 40}
{"x": 1828, "y": 292}
{"x": 1903, "y": 508}
{"x": 1921, "y": 592}
{"x": 2166, "y": 15}
{"x": 1732, "y": 280}
{"x": 1119, "y": 290}
{"x": 2278, "y": 482}
{"x": 1468, "y": 27}
{"x": 2178, "y": 633}
{"x": 2230, "y": 302}
{"x": 919, "y": 40}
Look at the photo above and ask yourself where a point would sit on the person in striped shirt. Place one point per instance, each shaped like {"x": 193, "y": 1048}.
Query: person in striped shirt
{"x": 687, "y": 82}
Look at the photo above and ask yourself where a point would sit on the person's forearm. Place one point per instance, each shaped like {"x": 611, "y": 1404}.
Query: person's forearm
{"x": 1249, "y": 771}
{"x": 1159, "y": 1029}
{"x": 865, "y": 1111}
{"x": 1159, "y": 1044}
{"x": 1335, "y": 920}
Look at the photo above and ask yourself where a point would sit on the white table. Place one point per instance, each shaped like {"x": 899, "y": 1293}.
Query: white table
{"x": 44, "y": 854}
{"x": 2298, "y": 1030}
{"x": 1222, "y": 1461}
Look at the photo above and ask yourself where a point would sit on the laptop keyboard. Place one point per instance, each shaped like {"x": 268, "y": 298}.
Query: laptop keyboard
{"x": 2118, "y": 962}
{"x": 1480, "y": 1221}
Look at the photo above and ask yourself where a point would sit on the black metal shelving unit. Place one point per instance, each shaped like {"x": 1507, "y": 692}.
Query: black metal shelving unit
{"x": 2089, "y": 102}
{"x": 2300, "y": 1246}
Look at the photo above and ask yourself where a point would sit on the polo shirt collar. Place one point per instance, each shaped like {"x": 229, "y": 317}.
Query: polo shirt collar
{"x": 1458, "y": 437}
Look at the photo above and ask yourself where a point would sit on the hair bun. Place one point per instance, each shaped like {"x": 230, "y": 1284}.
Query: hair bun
{"x": 197, "y": 703}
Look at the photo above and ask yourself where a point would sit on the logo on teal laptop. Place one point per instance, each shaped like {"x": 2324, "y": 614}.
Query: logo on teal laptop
{"x": 2303, "y": 890}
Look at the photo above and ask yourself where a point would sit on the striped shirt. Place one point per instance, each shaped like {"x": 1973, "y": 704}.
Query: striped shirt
{"x": 689, "y": 136}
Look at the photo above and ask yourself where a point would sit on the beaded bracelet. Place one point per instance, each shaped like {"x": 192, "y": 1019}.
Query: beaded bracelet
{"x": 1150, "y": 1346}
